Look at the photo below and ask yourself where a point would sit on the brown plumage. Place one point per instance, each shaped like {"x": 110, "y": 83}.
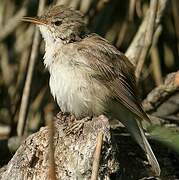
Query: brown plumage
{"x": 89, "y": 76}
{"x": 114, "y": 70}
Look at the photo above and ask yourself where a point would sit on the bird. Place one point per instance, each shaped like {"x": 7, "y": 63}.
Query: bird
{"x": 89, "y": 76}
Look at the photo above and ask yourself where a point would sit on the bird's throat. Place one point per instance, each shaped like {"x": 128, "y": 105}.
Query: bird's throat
{"x": 52, "y": 46}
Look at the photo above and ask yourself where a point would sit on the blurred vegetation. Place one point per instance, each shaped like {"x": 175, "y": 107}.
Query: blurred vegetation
{"x": 116, "y": 20}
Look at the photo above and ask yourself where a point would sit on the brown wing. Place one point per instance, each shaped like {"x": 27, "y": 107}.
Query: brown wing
{"x": 114, "y": 69}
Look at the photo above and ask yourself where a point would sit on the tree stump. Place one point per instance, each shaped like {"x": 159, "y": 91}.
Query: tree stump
{"x": 73, "y": 153}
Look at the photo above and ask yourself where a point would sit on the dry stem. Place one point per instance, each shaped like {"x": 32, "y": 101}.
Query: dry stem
{"x": 27, "y": 87}
{"x": 97, "y": 156}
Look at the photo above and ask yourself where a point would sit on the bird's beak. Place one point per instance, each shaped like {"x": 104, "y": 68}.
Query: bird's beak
{"x": 35, "y": 20}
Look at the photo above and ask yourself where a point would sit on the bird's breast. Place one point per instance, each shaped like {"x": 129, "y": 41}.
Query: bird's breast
{"x": 76, "y": 91}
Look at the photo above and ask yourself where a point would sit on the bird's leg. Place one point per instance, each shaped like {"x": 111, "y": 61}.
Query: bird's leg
{"x": 77, "y": 125}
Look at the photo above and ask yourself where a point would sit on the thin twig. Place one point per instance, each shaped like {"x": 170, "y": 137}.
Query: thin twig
{"x": 132, "y": 5}
{"x": 85, "y": 5}
{"x": 52, "y": 167}
{"x": 175, "y": 6}
{"x": 12, "y": 23}
{"x": 6, "y": 68}
{"x": 148, "y": 37}
{"x": 134, "y": 50}
{"x": 126, "y": 24}
{"x": 138, "y": 8}
{"x": 156, "y": 68}
{"x": 122, "y": 33}
{"x": 97, "y": 156}
{"x": 27, "y": 87}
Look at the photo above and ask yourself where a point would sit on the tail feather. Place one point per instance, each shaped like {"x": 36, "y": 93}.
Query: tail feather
{"x": 137, "y": 133}
{"x": 133, "y": 124}
{"x": 135, "y": 128}
{"x": 149, "y": 153}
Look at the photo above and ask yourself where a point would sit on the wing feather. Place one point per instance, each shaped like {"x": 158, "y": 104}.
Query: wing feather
{"x": 114, "y": 70}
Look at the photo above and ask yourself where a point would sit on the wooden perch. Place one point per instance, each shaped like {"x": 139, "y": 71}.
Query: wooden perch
{"x": 162, "y": 103}
{"x": 73, "y": 153}
{"x": 161, "y": 96}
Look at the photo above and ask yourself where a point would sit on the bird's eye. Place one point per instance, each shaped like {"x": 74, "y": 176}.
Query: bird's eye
{"x": 57, "y": 23}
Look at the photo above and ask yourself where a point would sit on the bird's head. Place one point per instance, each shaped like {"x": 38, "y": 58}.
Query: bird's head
{"x": 60, "y": 23}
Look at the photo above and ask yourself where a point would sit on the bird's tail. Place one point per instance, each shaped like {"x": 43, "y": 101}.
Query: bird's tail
{"x": 149, "y": 153}
{"x": 136, "y": 130}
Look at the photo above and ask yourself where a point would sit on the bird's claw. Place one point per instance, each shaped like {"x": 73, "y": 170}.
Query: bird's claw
{"x": 77, "y": 126}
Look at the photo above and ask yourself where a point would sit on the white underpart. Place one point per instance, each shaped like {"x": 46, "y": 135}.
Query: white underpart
{"x": 70, "y": 84}
{"x": 50, "y": 45}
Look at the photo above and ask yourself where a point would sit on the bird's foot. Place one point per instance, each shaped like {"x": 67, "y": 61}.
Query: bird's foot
{"x": 63, "y": 118}
{"x": 77, "y": 126}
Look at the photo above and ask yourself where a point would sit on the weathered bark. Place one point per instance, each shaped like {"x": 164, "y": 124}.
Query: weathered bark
{"x": 121, "y": 158}
{"x": 163, "y": 101}
{"x": 73, "y": 153}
